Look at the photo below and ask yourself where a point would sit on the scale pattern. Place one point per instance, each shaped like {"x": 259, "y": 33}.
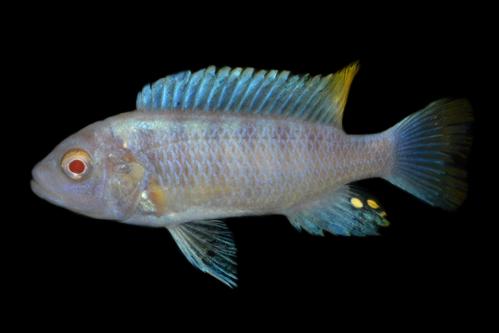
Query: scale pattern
{"x": 255, "y": 165}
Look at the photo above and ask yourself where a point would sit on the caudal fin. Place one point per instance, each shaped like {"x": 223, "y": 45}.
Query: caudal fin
{"x": 431, "y": 147}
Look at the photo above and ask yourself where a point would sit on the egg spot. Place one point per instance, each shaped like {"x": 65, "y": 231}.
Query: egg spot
{"x": 76, "y": 166}
{"x": 384, "y": 223}
{"x": 356, "y": 202}
{"x": 373, "y": 204}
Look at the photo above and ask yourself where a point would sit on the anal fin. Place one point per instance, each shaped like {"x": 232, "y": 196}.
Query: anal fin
{"x": 348, "y": 211}
{"x": 208, "y": 245}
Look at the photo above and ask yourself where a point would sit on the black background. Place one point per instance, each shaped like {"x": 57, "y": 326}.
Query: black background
{"x": 75, "y": 72}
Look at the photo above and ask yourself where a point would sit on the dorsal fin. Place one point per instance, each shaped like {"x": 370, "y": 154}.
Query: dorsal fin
{"x": 316, "y": 99}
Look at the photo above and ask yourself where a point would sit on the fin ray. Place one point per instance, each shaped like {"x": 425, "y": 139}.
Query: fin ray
{"x": 317, "y": 98}
{"x": 348, "y": 211}
{"x": 430, "y": 148}
{"x": 208, "y": 245}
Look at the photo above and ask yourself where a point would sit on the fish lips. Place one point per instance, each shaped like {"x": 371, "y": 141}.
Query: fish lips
{"x": 43, "y": 192}
{"x": 42, "y": 184}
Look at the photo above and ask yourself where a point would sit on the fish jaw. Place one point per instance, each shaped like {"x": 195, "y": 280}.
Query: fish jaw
{"x": 45, "y": 194}
{"x": 40, "y": 185}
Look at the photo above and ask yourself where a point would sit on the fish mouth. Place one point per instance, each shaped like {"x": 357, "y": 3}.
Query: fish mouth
{"x": 44, "y": 193}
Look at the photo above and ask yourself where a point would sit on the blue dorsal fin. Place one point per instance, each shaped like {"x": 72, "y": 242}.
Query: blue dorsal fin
{"x": 317, "y": 99}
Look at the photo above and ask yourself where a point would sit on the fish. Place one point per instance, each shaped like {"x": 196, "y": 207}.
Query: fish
{"x": 217, "y": 143}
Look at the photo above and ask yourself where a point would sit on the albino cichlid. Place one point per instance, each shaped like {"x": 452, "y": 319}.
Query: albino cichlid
{"x": 236, "y": 142}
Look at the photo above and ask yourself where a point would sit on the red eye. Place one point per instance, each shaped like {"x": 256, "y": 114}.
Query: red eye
{"x": 77, "y": 166}
{"x": 76, "y": 163}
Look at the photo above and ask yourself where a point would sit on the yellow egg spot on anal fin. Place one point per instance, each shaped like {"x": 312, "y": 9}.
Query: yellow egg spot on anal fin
{"x": 157, "y": 196}
{"x": 372, "y": 203}
{"x": 385, "y": 223}
{"x": 357, "y": 203}
{"x": 382, "y": 214}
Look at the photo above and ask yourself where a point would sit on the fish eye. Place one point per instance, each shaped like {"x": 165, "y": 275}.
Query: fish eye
{"x": 76, "y": 163}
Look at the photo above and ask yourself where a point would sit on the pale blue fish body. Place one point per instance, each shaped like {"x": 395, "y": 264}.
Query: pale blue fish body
{"x": 226, "y": 143}
{"x": 215, "y": 166}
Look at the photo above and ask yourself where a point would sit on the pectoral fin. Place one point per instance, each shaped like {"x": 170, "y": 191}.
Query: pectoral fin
{"x": 208, "y": 245}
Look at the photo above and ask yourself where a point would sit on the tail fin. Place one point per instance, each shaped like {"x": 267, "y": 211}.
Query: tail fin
{"x": 430, "y": 149}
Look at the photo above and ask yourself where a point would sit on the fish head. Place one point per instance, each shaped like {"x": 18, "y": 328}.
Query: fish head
{"x": 87, "y": 174}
